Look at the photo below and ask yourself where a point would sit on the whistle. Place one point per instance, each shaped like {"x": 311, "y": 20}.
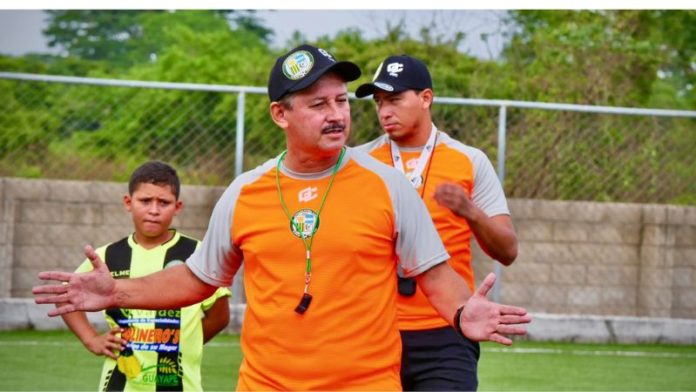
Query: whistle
{"x": 304, "y": 303}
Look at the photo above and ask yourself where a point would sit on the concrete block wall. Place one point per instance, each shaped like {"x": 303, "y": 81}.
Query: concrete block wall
{"x": 46, "y": 224}
{"x": 601, "y": 259}
{"x": 574, "y": 257}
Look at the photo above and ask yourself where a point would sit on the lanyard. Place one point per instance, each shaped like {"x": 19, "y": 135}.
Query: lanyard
{"x": 415, "y": 176}
{"x": 306, "y": 297}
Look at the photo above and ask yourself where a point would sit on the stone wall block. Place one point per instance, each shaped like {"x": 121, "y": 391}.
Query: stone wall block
{"x": 554, "y": 210}
{"x": 24, "y": 189}
{"x": 683, "y": 278}
{"x": 115, "y": 214}
{"x": 685, "y": 236}
{"x": 681, "y": 215}
{"x": 522, "y": 209}
{"x": 584, "y": 296}
{"x": 571, "y": 231}
{"x": 654, "y": 214}
{"x": 200, "y": 196}
{"x": 611, "y": 275}
{"x": 533, "y": 273}
{"x": 549, "y": 294}
{"x": 71, "y": 191}
{"x": 652, "y": 277}
{"x": 562, "y": 274}
{"x": 533, "y": 230}
{"x": 617, "y": 297}
{"x": 685, "y": 298}
{"x": 685, "y": 257}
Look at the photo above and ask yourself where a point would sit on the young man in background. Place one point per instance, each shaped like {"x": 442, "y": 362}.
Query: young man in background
{"x": 463, "y": 196}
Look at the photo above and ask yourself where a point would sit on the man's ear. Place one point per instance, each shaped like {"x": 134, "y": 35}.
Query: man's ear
{"x": 427, "y": 98}
{"x": 278, "y": 113}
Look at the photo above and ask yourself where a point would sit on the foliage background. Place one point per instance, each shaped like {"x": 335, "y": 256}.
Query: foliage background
{"x": 632, "y": 58}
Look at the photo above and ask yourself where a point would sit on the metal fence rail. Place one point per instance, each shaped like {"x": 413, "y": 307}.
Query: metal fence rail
{"x": 101, "y": 129}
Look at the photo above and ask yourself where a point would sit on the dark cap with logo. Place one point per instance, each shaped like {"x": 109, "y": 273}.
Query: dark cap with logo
{"x": 397, "y": 74}
{"x": 304, "y": 65}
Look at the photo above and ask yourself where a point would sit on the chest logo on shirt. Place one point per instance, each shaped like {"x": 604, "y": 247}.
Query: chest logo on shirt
{"x": 304, "y": 223}
{"x": 307, "y": 194}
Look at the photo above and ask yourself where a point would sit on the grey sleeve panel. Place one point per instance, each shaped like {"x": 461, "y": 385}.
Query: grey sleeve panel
{"x": 218, "y": 259}
{"x": 488, "y": 194}
{"x": 373, "y": 144}
{"x": 418, "y": 244}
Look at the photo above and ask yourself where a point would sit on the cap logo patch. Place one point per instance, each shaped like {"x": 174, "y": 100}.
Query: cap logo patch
{"x": 298, "y": 64}
{"x": 326, "y": 54}
{"x": 394, "y": 69}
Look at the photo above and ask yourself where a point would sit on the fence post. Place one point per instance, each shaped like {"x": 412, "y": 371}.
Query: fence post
{"x": 238, "y": 283}
{"x": 239, "y": 144}
{"x": 502, "y": 134}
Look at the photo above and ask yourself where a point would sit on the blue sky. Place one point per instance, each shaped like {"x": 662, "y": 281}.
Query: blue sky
{"x": 20, "y": 30}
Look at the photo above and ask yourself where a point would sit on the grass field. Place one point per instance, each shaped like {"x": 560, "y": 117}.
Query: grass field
{"x": 56, "y": 361}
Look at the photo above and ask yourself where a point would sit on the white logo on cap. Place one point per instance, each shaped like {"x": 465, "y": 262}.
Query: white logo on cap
{"x": 394, "y": 69}
{"x": 384, "y": 86}
{"x": 326, "y": 54}
{"x": 298, "y": 64}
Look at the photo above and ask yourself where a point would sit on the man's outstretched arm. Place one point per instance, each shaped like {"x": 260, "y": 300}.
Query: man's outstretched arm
{"x": 96, "y": 290}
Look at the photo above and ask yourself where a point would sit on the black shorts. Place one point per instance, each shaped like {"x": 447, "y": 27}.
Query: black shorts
{"x": 438, "y": 360}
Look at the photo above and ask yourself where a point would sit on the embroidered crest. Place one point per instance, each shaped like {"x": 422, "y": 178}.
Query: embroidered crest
{"x": 298, "y": 64}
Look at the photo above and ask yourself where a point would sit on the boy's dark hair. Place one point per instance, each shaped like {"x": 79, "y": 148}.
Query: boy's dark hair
{"x": 155, "y": 172}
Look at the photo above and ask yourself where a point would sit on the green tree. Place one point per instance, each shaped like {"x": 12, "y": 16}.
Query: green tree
{"x": 614, "y": 58}
{"x": 127, "y": 37}
{"x": 601, "y": 57}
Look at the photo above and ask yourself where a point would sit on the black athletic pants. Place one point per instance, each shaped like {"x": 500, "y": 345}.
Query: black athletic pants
{"x": 438, "y": 360}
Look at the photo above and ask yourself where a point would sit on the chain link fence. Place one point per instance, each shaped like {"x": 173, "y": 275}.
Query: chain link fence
{"x": 94, "y": 129}
{"x": 88, "y": 129}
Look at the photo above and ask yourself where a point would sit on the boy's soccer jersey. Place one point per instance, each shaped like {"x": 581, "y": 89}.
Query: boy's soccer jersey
{"x": 451, "y": 161}
{"x": 165, "y": 347}
{"x": 348, "y": 337}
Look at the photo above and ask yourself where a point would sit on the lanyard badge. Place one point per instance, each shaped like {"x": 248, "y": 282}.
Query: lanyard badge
{"x": 416, "y": 176}
{"x": 304, "y": 224}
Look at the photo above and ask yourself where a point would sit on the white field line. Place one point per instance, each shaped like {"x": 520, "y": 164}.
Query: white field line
{"x": 608, "y": 353}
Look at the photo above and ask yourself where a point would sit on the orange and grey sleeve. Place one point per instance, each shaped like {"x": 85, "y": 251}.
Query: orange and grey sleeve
{"x": 218, "y": 259}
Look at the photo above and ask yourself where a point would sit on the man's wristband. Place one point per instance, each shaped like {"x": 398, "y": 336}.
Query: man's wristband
{"x": 457, "y": 320}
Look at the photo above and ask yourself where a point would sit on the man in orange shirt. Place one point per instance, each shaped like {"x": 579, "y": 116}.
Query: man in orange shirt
{"x": 464, "y": 197}
{"x": 320, "y": 259}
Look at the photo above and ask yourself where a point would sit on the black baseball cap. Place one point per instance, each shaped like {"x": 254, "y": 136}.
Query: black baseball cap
{"x": 396, "y": 74}
{"x": 302, "y": 66}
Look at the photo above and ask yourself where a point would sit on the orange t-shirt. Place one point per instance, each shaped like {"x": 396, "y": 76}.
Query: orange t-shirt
{"x": 348, "y": 338}
{"x": 451, "y": 161}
